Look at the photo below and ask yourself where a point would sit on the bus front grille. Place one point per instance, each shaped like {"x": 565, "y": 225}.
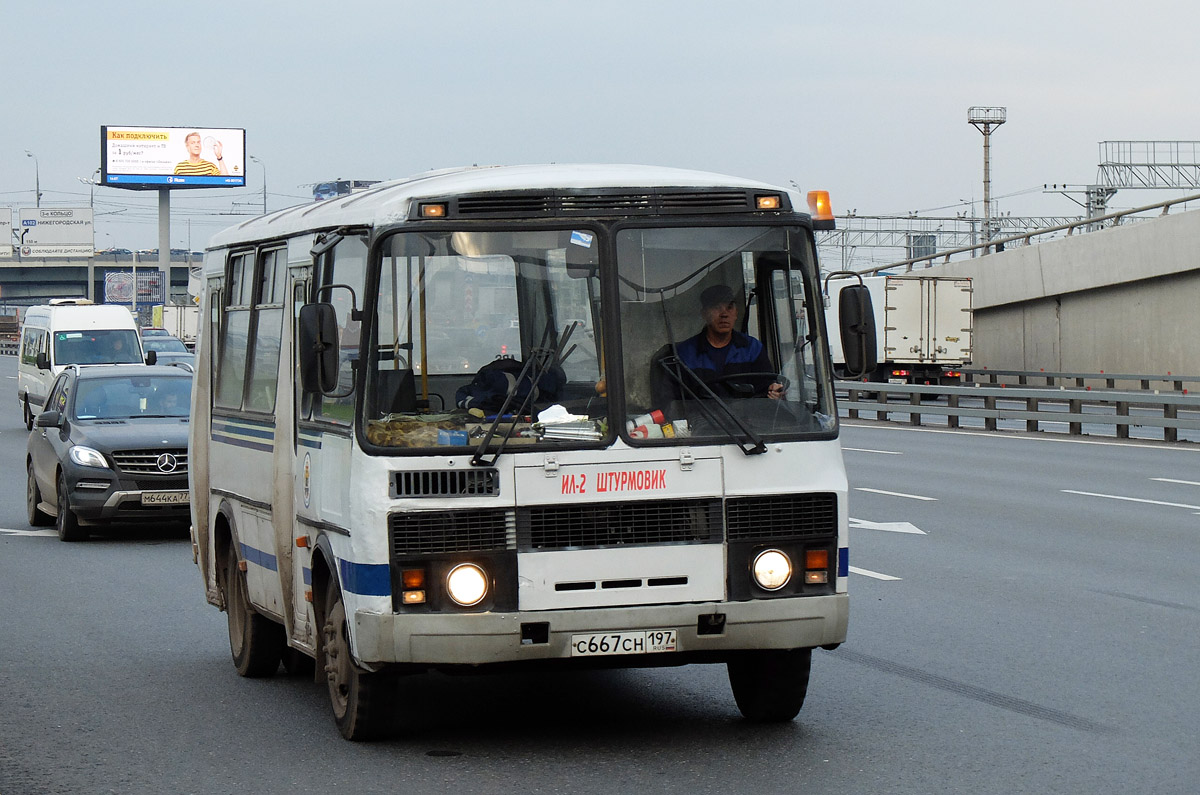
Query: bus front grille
{"x": 446, "y": 483}
{"x": 441, "y": 532}
{"x": 780, "y": 517}
{"x": 546, "y": 527}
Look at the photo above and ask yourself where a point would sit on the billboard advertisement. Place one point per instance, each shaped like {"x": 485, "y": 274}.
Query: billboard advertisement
{"x": 55, "y": 232}
{"x": 6, "y": 235}
{"x": 153, "y": 158}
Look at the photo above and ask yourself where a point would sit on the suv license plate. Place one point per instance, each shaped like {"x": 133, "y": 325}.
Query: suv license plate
{"x": 164, "y": 498}
{"x": 650, "y": 641}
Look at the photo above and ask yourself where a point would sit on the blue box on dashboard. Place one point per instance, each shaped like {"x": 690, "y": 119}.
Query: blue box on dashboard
{"x": 452, "y": 437}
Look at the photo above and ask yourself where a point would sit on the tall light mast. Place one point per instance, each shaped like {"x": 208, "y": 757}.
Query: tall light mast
{"x": 984, "y": 119}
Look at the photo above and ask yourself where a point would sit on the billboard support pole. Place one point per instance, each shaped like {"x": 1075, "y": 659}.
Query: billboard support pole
{"x": 164, "y": 236}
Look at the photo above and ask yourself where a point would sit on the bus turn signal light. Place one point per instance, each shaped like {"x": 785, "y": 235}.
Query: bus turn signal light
{"x": 768, "y": 201}
{"x": 433, "y": 211}
{"x": 816, "y": 566}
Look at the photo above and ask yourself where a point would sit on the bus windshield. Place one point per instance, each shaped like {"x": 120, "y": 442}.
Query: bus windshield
{"x": 487, "y": 338}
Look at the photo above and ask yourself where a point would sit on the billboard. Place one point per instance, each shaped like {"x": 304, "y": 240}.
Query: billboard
{"x": 55, "y": 232}
{"x": 153, "y": 158}
{"x": 6, "y": 235}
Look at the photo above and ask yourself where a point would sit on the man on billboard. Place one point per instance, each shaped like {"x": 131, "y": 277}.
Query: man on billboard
{"x": 195, "y": 166}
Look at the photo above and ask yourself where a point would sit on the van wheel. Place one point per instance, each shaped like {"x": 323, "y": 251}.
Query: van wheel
{"x": 256, "y": 642}
{"x": 68, "y": 522}
{"x": 33, "y": 498}
{"x": 28, "y": 414}
{"x": 361, "y": 700}
{"x": 769, "y": 686}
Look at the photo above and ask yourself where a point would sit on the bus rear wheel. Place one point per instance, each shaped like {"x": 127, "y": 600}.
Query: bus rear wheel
{"x": 361, "y": 700}
{"x": 770, "y": 685}
{"x": 256, "y": 642}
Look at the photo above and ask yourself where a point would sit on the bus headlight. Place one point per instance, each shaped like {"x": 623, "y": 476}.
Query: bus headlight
{"x": 771, "y": 569}
{"x": 466, "y": 584}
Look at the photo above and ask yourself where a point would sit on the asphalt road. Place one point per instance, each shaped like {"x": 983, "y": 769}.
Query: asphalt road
{"x": 1025, "y": 618}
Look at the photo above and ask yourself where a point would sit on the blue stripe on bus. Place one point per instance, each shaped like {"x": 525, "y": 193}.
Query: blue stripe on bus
{"x": 366, "y": 579}
{"x": 843, "y": 562}
{"x": 258, "y": 557}
{"x": 250, "y": 434}
{"x": 310, "y": 441}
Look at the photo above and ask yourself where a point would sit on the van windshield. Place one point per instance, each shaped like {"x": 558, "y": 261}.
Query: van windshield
{"x": 97, "y": 346}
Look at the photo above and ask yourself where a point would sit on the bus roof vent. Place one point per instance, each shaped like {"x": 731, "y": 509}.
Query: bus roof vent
{"x": 599, "y": 202}
{"x": 446, "y": 483}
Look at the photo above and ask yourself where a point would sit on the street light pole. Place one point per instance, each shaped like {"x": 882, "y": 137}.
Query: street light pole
{"x": 93, "y": 182}
{"x": 37, "y": 178}
{"x": 264, "y": 168}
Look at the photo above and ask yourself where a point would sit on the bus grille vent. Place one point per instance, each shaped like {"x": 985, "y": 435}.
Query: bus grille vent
{"x": 440, "y": 532}
{"x": 618, "y": 524}
{"x": 781, "y": 517}
{"x": 662, "y": 201}
{"x": 446, "y": 483}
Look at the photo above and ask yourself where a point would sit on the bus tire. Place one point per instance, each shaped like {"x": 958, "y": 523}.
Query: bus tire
{"x": 67, "y": 522}
{"x": 769, "y": 686}
{"x": 255, "y": 642}
{"x": 361, "y": 700}
{"x": 28, "y": 412}
{"x": 33, "y": 498}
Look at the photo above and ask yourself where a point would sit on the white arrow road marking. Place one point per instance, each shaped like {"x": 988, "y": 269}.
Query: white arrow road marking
{"x": 1132, "y": 499}
{"x": 887, "y": 527}
{"x": 896, "y": 494}
{"x": 28, "y": 533}
{"x": 875, "y": 574}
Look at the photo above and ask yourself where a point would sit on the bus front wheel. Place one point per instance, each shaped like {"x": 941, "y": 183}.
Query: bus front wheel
{"x": 769, "y": 685}
{"x": 361, "y": 700}
{"x": 256, "y": 642}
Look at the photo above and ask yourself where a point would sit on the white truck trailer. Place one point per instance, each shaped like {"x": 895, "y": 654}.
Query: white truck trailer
{"x": 179, "y": 319}
{"x": 923, "y": 327}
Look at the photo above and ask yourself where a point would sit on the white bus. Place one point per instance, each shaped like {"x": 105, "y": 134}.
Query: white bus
{"x": 458, "y": 422}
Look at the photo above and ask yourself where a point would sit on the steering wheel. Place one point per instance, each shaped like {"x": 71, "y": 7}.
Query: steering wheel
{"x": 734, "y": 378}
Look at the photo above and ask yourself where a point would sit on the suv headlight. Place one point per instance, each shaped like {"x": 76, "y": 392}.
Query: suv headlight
{"x": 87, "y": 457}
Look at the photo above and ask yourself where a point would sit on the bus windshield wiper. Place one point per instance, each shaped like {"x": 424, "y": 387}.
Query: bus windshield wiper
{"x": 540, "y": 361}
{"x": 748, "y": 442}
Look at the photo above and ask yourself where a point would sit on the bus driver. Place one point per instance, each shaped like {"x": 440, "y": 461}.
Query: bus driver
{"x": 719, "y": 351}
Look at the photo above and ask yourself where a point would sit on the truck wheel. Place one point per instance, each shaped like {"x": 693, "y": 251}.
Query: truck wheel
{"x": 769, "y": 686}
{"x": 33, "y": 498}
{"x": 361, "y": 700}
{"x": 68, "y": 522}
{"x": 28, "y": 413}
{"x": 256, "y": 642}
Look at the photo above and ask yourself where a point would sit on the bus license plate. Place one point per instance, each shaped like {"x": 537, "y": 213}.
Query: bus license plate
{"x": 164, "y": 498}
{"x": 648, "y": 642}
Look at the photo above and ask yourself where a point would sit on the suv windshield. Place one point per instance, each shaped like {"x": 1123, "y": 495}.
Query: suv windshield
{"x": 719, "y": 334}
{"x": 130, "y": 397}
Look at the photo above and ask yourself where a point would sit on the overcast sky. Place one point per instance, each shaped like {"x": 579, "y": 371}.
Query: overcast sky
{"x": 866, "y": 99}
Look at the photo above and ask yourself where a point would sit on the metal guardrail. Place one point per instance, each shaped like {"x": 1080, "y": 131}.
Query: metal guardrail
{"x": 1024, "y": 377}
{"x": 1111, "y": 408}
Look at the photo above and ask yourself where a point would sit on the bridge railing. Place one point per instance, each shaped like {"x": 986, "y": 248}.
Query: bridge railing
{"x": 1035, "y": 406}
{"x": 989, "y": 375}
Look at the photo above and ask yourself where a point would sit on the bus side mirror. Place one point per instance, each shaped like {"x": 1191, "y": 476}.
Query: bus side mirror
{"x": 43, "y": 361}
{"x": 857, "y": 318}
{"x": 318, "y": 348}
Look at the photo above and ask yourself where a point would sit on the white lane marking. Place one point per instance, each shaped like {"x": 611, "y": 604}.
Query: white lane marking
{"x": 29, "y": 533}
{"x": 868, "y": 450}
{"x": 875, "y": 574}
{"x": 896, "y": 494}
{"x": 1180, "y": 482}
{"x": 887, "y": 527}
{"x": 1132, "y": 499}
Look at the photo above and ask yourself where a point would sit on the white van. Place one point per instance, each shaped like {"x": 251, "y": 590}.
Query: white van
{"x": 70, "y": 331}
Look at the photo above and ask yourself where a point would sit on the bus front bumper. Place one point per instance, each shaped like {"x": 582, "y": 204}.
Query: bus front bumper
{"x": 485, "y": 638}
